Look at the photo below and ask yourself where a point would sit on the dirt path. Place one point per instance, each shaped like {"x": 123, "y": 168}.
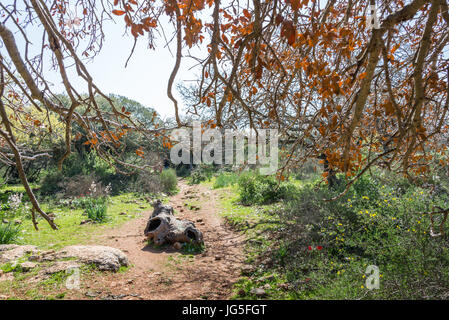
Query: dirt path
{"x": 167, "y": 273}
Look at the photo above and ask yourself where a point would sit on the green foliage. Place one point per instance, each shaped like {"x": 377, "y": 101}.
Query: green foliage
{"x": 182, "y": 170}
{"x": 201, "y": 173}
{"x": 50, "y": 183}
{"x": 96, "y": 209}
{"x": 9, "y": 233}
{"x": 375, "y": 223}
{"x": 192, "y": 248}
{"x": 168, "y": 181}
{"x": 225, "y": 179}
{"x": 260, "y": 189}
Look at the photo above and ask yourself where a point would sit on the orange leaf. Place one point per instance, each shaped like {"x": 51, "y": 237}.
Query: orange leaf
{"x": 118, "y": 12}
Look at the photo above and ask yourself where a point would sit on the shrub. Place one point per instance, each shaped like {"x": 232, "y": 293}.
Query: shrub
{"x": 145, "y": 183}
{"x": 260, "y": 189}
{"x": 183, "y": 170}
{"x": 201, "y": 173}
{"x": 96, "y": 209}
{"x": 9, "y": 233}
{"x": 373, "y": 224}
{"x": 51, "y": 182}
{"x": 168, "y": 181}
{"x": 82, "y": 185}
{"x": 225, "y": 179}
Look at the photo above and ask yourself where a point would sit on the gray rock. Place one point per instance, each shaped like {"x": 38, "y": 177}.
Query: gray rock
{"x": 177, "y": 245}
{"x": 59, "y": 266}
{"x": 27, "y": 266}
{"x": 105, "y": 258}
{"x": 12, "y": 252}
{"x": 92, "y": 294}
{"x": 259, "y": 292}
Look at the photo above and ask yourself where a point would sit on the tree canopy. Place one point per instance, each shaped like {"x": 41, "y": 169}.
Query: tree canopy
{"x": 339, "y": 83}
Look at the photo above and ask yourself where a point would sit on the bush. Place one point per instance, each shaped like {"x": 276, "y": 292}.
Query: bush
{"x": 201, "y": 173}
{"x": 145, "y": 182}
{"x": 51, "y": 182}
{"x": 183, "y": 170}
{"x": 260, "y": 189}
{"x": 373, "y": 224}
{"x": 225, "y": 179}
{"x": 9, "y": 233}
{"x": 96, "y": 209}
{"x": 83, "y": 185}
{"x": 168, "y": 181}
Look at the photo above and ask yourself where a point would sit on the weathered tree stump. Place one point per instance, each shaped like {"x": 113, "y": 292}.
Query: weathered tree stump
{"x": 164, "y": 227}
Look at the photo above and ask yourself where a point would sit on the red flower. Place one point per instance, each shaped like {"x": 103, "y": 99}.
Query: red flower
{"x": 310, "y": 248}
{"x": 319, "y": 247}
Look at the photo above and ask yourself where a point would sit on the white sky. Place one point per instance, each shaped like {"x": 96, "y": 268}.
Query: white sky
{"x": 145, "y": 78}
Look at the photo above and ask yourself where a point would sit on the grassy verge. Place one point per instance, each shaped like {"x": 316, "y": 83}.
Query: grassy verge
{"x": 259, "y": 224}
{"x": 120, "y": 208}
{"x": 305, "y": 248}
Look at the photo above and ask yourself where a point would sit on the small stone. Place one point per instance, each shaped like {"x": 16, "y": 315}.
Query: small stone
{"x": 34, "y": 258}
{"x": 266, "y": 278}
{"x": 5, "y": 221}
{"x": 2, "y": 297}
{"x": 122, "y": 213}
{"x": 199, "y": 220}
{"x": 85, "y": 221}
{"x": 284, "y": 286}
{"x": 130, "y": 281}
{"x": 91, "y": 294}
{"x": 247, "y": 270}
{"x": 177, "y": 246}
{"x": 259, "y": 292}
{"x": 27, "y": 266}
{"x": 217, "y": 258}
{"x": 17, "y": 221}
{"x": 154, "y": 274}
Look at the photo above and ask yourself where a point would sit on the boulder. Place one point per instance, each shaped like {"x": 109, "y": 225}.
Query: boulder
{"x": 105, "y": 258}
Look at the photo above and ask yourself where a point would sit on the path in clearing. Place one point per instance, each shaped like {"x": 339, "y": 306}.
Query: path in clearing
{"x": 168, "y": 273}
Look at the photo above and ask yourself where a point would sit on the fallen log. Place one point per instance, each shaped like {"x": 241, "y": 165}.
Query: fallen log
{"x": 164, "y": 227}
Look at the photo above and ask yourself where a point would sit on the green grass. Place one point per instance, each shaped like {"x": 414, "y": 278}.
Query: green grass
{"x": 9, "y": 233}
{"x": 377, "y": 223}
{"x": 51, "y": 288}
{"x": 257, "y": 223}
{"x": 68, "y": 221}
{"x": 225, "y": 179}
